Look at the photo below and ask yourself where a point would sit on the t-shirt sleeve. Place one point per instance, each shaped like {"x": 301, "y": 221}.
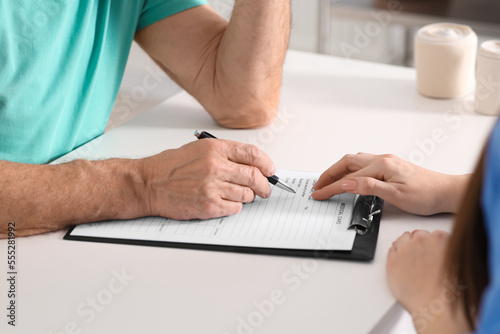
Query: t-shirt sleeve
{"x": 155, "y": 10}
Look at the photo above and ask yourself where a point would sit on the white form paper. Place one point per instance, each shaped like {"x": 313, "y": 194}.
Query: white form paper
{"x": 285, "y": 220}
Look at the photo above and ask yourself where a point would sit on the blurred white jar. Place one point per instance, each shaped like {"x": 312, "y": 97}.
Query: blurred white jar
{"x": 445, "y": 60}
{"x": 487, "y": 98}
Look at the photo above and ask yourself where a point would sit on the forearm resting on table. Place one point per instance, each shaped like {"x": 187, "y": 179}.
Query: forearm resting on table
{"x": 250, "y": 61}
{"x": 43, "y": 198}
{"x": 233, "y": 69}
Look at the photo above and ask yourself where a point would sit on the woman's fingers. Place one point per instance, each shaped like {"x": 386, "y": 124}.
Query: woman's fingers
{"x": 369, "y": 180}
{"x": 348, "y": 164}
{"x": 362, "y": 185}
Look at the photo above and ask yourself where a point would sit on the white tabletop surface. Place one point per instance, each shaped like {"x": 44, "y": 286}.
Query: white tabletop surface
{"x": 329, "y": 107}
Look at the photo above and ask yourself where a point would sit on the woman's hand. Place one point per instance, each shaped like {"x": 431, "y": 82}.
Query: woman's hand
{"x": 416, "y": 276}
{"x": 409, "y": 187}
{"x": 415, "y": 268}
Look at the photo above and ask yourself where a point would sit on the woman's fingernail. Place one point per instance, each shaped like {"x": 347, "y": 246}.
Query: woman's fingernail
{"x": 269, "y": 192}
{"x": 349, "y": 185}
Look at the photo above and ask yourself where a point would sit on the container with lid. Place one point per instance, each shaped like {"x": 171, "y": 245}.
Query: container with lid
{"x": 445, "y": 58}
{"x": 487, "y": 97}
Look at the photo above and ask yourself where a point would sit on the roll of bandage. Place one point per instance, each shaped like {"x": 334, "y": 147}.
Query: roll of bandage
{"x": 487, "y": 99}
{"x": 445, "y": 59}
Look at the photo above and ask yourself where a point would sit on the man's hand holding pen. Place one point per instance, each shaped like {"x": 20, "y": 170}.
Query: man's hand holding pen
{"x": 205, "y": 179}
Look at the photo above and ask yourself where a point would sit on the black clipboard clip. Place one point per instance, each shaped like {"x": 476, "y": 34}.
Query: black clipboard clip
{"x": 365, "y": 209}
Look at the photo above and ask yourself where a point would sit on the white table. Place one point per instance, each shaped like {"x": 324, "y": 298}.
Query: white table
{"x": 332, "y": 107}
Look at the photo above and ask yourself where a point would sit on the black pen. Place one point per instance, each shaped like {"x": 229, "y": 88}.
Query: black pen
{"x": 274, "y": 180}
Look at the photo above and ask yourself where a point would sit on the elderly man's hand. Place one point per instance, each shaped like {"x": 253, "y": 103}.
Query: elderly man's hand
{"x": 205, "y": 179}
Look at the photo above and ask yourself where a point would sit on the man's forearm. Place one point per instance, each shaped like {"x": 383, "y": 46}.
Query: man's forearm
{"x": 250, "y": 58}
{"x": 233, "y": 69}
{"x": 42, "y": 198}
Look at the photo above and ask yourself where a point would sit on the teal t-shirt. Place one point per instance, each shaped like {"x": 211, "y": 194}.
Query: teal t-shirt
{"x": 61, "y": 64}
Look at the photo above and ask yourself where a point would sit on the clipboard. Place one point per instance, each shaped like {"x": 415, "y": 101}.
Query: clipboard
{"x": 365, "y": 221}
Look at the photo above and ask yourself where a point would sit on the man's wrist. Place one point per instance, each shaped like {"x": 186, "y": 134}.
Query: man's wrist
{"x": 148, "y": 174}
{"x": 126, "y": 183}
{"x": 138, "y": 182}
